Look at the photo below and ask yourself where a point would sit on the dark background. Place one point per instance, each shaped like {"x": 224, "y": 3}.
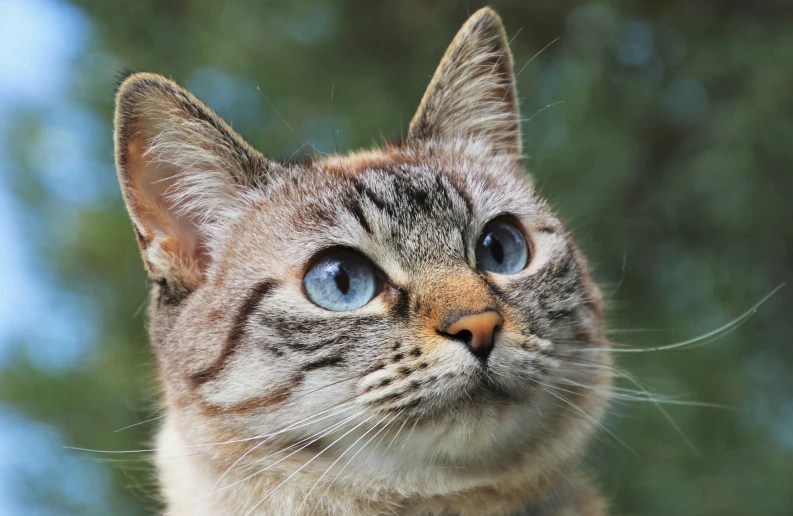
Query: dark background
{"x": 661, "y": 131}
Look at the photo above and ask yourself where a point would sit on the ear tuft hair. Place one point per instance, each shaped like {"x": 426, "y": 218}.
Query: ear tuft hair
{"x": 183, "y": 173}
{"x": 121, "y": 76}
{"x": 472, "y": 94}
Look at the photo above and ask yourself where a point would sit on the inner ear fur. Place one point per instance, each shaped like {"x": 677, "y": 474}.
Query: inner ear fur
{"x": 472, "y": 94}
{"x": 182, "y": 172}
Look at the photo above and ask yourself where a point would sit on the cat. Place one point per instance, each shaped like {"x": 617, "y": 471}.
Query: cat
{"x": 405, "y": 330}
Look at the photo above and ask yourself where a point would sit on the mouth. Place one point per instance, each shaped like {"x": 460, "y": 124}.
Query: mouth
{"x": 506, "y": 378}
{"x": 482, "y": 393}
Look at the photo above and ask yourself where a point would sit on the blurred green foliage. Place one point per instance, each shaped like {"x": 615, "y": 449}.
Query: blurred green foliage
{"x": 661, "y": 131}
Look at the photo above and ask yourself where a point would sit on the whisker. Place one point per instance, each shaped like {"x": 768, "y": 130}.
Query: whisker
{"x": 140, "y": 423}
{"x": 298, "y": 470}
{"x": 305, "y": 498}
{"x": 381, "y": 439}
{"x": 631, "y": 395}
{"x": 529, "y": 62}
{"x": 296, "y": 151}
{"x": 395, "y": 436}
{"x": 220, "y": 443}
{"x": 315, "y": 438}
{"x": 355, "y": 454}
{"x": 589, "y": 418}
{"x": 280, "y": 116}
{"x": 220, "y": 479}
{"x": 249, "y": 452}
{"x": 552, "y": 104}
{"x": 702, "y": 339}
{"x": 639, "y": 330}
{"x": 624, "y": 374}
{"x": 407, "y": 437}
{"x": 310, "y": 439}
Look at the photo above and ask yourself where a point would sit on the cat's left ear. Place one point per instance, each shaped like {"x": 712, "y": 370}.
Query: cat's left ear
{"x": 472, "y": 94}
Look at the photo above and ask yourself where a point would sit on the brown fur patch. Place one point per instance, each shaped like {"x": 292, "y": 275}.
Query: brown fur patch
{"x": 276, "y": 396}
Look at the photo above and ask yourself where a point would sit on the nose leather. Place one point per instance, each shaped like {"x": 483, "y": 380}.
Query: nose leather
{"x": 481, "y": 327}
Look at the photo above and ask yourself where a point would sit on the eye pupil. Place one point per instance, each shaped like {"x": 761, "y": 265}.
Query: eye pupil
{"x": 502, "y": 248}
{"x": 496, "y": 249}
{"x": 342, "y": 280}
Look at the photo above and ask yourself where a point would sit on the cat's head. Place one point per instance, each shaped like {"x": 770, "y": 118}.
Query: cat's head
{"x": 416, "y": 310}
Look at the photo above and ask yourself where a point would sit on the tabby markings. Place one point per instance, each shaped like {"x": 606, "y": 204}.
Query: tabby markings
{"x": 259, "y": 292}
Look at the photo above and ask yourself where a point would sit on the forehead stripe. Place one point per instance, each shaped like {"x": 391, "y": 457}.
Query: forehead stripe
{"x": 379, "y": 203}
{"x": 354, "y": 207}
{"x": 469, "y": 204}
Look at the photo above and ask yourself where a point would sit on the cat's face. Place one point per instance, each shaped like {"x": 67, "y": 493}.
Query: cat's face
{"x": 415, "y": 312}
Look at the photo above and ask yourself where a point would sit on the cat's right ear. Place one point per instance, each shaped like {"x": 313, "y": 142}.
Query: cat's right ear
{"x": 183, "y": 172}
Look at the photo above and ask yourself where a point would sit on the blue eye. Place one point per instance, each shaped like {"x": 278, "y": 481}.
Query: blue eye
{"x": 341, "y": 281}
{"x": 501, "y": 249}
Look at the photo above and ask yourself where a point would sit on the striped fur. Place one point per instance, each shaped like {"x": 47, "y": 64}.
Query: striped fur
{"x": 247, "y": 361}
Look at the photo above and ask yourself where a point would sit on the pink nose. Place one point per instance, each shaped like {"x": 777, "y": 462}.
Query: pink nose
{"x": 476, "y": 330}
